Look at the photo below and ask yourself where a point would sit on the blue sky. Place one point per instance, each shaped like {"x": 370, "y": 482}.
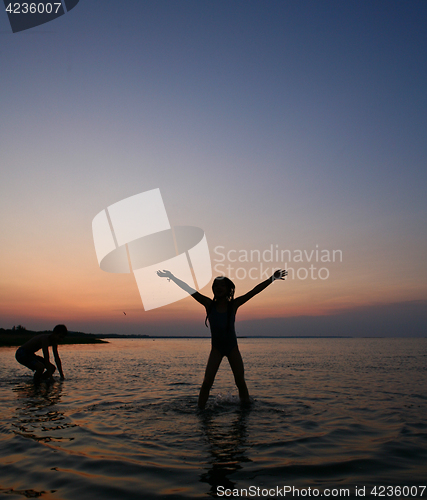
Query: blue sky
{"x": 288, "y": 123}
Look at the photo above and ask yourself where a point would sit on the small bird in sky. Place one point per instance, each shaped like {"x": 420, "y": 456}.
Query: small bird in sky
{"x": 124, "y": 313}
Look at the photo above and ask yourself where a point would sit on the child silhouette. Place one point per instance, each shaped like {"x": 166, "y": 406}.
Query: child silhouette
{"x": 221, "y": 314}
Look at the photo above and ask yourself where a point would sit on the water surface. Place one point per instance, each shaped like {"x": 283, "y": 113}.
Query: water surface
{"x": 327, "y": 414}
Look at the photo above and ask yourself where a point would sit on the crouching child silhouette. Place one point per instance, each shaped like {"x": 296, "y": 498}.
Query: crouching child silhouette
{"x": 221, "y": 314}
{"x": 43, "y": 368}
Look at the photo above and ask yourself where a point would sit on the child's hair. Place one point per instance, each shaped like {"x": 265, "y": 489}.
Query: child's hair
{"x": 61, "y": 329}
{"x": 230, "y": 295}
{"x": 229, "y": 284}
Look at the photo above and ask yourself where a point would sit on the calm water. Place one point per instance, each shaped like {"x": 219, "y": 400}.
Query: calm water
{"x": 327, "y": 414}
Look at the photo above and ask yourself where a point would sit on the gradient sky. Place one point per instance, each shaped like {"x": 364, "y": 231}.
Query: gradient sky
{"x": 300, "y": 125}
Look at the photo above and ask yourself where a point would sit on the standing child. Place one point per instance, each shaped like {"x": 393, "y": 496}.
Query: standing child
{"x": 42, "y": 367}
{"x": 221, "y": 314}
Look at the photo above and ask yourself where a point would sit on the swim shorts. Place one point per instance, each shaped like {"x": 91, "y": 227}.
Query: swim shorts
{"x": 27, "y": 358}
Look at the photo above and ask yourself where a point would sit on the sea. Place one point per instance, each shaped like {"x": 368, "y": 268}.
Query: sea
{"x": 329, "y": 418}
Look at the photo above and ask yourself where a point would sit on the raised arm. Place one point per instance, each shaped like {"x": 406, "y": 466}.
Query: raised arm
{"x": 278, "y": 275}
{"x": 202, "y": 299}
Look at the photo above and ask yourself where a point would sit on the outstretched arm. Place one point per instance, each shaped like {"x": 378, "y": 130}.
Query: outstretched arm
{"x": 202, "y": 299}
{"x": 278, "y": 275}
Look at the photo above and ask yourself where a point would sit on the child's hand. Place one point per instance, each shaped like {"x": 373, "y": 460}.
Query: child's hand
{"x": 165, "y": 274}
{"x": 279, "y": 275}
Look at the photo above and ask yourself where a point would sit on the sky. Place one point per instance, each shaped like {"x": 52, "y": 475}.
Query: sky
{"x": 281, "y": 128}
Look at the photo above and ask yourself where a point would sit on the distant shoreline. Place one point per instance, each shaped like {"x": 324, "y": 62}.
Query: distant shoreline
{"x": 117, "y": 336}
{"x": 15, "y": 338}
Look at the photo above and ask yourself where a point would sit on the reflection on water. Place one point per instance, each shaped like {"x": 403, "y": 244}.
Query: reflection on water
{"x": 225, "y": 431}
{"x": 36, "y": 414}
{"x": 125, "y": 424}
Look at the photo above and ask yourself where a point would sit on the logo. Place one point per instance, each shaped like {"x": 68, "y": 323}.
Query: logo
{"x": 26, "y": 15}
{"x": 135, "y": 235}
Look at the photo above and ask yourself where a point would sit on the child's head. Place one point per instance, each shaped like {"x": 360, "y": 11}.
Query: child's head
{"x": 223, "y": 287}
{"x": 60, "y": 331}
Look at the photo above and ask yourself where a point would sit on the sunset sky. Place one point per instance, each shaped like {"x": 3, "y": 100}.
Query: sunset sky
{"x": 298, "y": 126}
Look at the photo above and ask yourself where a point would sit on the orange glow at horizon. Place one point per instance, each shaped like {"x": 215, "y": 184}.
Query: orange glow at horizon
{"x": 60, "y": 285}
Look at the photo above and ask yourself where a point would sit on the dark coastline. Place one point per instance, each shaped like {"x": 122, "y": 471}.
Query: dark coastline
{"x": 207, "y": 337}
{"x": 15, "y": 338}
